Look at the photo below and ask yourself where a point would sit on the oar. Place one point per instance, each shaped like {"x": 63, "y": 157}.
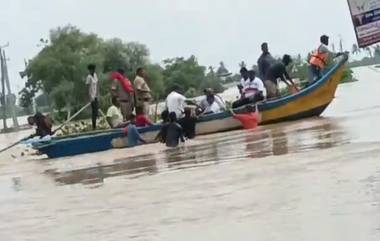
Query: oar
{"x": 72, "y": 117}
{"x": 14, "y": 144}
{"x": 60, "y": 127}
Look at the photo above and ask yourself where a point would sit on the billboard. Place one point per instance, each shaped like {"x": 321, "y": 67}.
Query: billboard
{"x": 366, "y": 19}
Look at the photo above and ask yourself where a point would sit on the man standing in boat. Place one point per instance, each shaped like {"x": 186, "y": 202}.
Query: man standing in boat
{"x": 176, "y": 102}
{"x": 143, "y": 92}
{"x": 265, "y": 61}
{"x": 123, "y": 90}
{"x": 92, "y": 83}
{"x": 320, "y": 58}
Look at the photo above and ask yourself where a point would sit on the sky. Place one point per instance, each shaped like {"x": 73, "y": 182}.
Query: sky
{"x": 212, "y": 30}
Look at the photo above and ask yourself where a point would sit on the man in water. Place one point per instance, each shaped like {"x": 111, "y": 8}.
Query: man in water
{"x": 252, "y": 91}
{"x": 251, "y": 119}
{"x": 93, "y": 92}
{"x": 143, "y": 93}
{"x": 134, "y": 137}
{"x": 43, "y": 123}
{"x": 123, "y": 90}
{"x": 265, "y": 61}
{"x": 188, "y": 124}
{"x": 320, "y": 58}
{"x": 211, "y": 103}
{"x": 176, "y": 102}
{"x": 278, "y": 71}
{"x": 172, "y": 132}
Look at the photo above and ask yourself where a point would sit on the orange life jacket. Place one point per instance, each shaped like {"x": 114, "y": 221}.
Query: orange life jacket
{"x": 319, "y": 59}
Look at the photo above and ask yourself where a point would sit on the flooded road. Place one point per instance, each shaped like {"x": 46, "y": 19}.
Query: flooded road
{"x": 315, "y": 179}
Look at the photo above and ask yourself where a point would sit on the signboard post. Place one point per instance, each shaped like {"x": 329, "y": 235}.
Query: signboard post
{"x": 365, "y": 16}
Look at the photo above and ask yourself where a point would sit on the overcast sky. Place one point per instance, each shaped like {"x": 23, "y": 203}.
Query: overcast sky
{"x": 212, "y": 30}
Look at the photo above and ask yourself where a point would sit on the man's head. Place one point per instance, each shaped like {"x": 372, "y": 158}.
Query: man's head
{"x": 264, "y": 48}
{"x": 91, "y": 68}
{"x": 133, "y": 119}
{"x": 121, "y": 71}
{"x": 140, "y": 72}
{"x": 172, "y": 117}
{"x": 115, "y": 101}
{"x": 251, "y": 74}
{"x": 208, "y": 92}
{"x": 187, "y": 112}
{"x": 286, "y": 60}
{"x": 325, "y": 39}
{"x": 31, "y": 120}
{"x": 165, "y": 116}
{"x": 139, "y": 110}
{"x": 244, "y": 73}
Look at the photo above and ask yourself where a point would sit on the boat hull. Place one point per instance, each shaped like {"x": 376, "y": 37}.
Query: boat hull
{"x": 309, "y": 102}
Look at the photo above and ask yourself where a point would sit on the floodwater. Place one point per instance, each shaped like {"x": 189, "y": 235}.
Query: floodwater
{"x": 315, "y": 179}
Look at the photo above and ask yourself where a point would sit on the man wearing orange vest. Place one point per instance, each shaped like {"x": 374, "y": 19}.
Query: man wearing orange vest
{"x": 320, "y": 58}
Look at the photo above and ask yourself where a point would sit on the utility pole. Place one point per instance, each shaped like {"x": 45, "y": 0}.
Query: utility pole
{"x": 12, "y": 101}
{"x": 3, "y": 102}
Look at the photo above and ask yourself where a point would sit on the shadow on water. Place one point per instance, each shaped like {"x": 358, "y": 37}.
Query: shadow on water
{"x": 276, "y": 140}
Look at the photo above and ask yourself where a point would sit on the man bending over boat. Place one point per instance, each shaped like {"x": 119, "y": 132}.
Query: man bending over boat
{"x": 252, "y": 90}
{"x": 275, "y": 72}
{"x": 43, "y": 123}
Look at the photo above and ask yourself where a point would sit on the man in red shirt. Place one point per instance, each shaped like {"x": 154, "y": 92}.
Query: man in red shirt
{"x": 251, "y": 119}
{"x": 141, "y": 119}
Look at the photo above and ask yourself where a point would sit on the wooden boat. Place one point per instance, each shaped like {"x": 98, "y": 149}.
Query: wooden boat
{"x": 311, "y": 101}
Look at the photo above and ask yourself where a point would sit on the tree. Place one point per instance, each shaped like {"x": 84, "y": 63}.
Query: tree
{"x": 59, "y": 70}
{"x": 368, "y": 49}
{"x": 188, "y": 74}
{"x": 355, "y": 49}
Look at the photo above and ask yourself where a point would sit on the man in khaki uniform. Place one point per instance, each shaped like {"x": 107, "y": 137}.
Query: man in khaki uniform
{"x": 143, "y": 92}
{"x": 123, "y": 90}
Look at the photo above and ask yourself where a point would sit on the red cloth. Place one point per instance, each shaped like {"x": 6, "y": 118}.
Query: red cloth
{"x": 249, "y": 121}
{"x": 142, "y": 121}
{"x": 124, "y": 81}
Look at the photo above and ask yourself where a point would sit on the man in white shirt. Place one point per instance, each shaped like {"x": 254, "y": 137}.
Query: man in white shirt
{"x": 114, "y": 115}
{"x": 93, "y": 92}
{"x": 176, "y": 102}
{"x": 252, "y": 90}
{"x": 212, "y": 103}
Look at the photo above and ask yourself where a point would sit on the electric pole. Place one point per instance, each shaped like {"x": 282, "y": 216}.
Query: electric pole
{"x": 11, "y": 100}
{"x": 3, "y": 102}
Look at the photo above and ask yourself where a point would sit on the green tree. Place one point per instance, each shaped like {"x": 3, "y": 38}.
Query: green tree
{"x": 59, "y": 70}
{"x": 188, "y": 74}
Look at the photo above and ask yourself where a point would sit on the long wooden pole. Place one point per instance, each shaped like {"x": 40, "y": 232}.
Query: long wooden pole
{"x": 11, "y": 105}
{"x": 3, "y": 91}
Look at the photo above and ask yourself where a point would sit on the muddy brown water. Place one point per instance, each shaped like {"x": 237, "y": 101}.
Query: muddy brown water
{"x": 315, "y": 179}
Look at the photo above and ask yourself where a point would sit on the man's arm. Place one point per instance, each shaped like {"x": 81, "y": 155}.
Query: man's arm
{"x": 180, "y": 129}
{"x": 109, "y": 120}
{"x": 114, "y": 87}
{"x": 148, "y": 121}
